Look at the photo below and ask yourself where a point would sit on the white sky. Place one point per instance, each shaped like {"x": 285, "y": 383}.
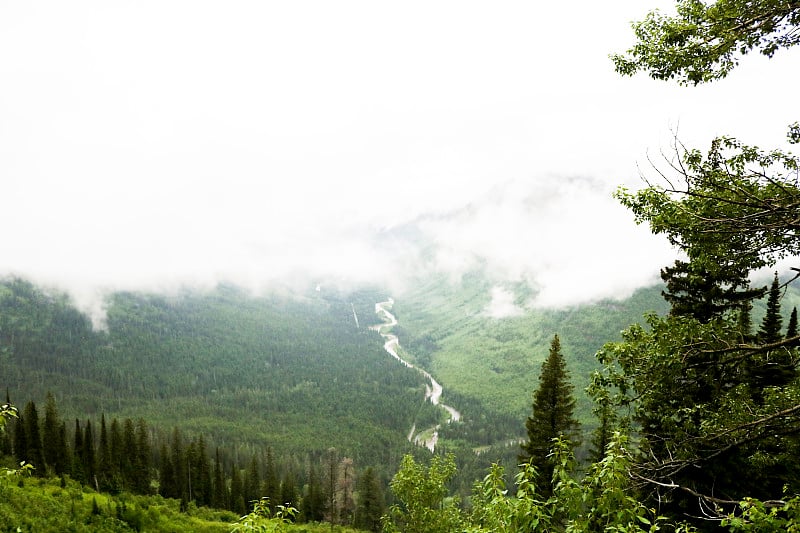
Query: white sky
{"x": 147, "y": 144}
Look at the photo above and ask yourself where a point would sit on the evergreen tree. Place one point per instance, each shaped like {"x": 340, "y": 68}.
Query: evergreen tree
{"x": 20, "y": 440}
{"x": 78, "y": 471}
{"x": 271, "y": 483}
{"x": 180, "y": 488}
{"x": 553, "y": 415}
{"x": 199, "y": 472}
{"x": 143, "y": 459}
{"x": 344, "y": 490}
{"x": 105, "y": 472}
{"x": 288, "y": 492}
{"x": 369, "y": 502}
{"x": 602, "y": 435}
{"x": 745, "y": 321}
{"x": 238, "y": 505}
{"x": 697, "y": 290}
{"x": 252, "y": 481}
{"x": 331, "y": 478}
{"x": 791, "y": 328}
{"x": 220, "y": 491}
{"x": 54, "y": 447}
{"x": 312, "y": 507}
{"x": 166, "y": 479}
{"x": 89, "y": 459}
{"x": 33, "y": 438}
{"x": 770, "y": 330}
{"x": 126, "y": 460}
{"x": 774, "y": 367}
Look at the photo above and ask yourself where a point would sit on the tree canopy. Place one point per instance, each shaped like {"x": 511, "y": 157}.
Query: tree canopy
{"x": 703, "y": 42}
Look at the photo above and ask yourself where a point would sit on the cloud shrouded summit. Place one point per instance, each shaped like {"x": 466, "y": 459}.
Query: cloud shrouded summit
{"x": 151, "y": 145}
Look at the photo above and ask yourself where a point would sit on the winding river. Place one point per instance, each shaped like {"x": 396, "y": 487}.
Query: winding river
{"x": 433, "y": 391}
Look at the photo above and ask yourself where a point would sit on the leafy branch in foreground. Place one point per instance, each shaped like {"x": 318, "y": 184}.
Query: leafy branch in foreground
{"x": 262, "y": 519}
{"x": 703, "y": 41}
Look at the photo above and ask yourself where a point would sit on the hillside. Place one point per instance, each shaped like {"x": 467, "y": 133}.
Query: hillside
{"x": 291, "y": 371}
{"x": 495, "y": 362}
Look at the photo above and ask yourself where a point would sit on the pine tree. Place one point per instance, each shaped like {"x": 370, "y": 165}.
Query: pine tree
{"x": 552, "y": 417}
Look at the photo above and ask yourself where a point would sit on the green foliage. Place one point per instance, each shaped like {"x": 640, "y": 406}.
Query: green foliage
{"x": 702, "y": 43}
{"x": 604, "y": 500}
{"x": 262, "y": 519}
{"x": 734, "y": 208}
{"x": 208, "y": 361}
{"x": 422, "y": 492}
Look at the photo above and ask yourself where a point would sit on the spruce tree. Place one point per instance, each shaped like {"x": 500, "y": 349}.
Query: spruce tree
{"x": 552, "y": 417}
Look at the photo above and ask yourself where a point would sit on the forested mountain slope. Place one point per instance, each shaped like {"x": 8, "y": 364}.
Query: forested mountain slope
{"x": 496, "y": 361}
{"x": 293, "y": 372}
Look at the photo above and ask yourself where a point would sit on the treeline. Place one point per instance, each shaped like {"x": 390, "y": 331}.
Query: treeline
{"x": 129, "y": 456}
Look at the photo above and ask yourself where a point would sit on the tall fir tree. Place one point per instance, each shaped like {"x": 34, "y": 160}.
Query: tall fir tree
{"x": 552, "y": 417}
{"x": 770, "y": 330}
{"x": 791, "y": 328}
